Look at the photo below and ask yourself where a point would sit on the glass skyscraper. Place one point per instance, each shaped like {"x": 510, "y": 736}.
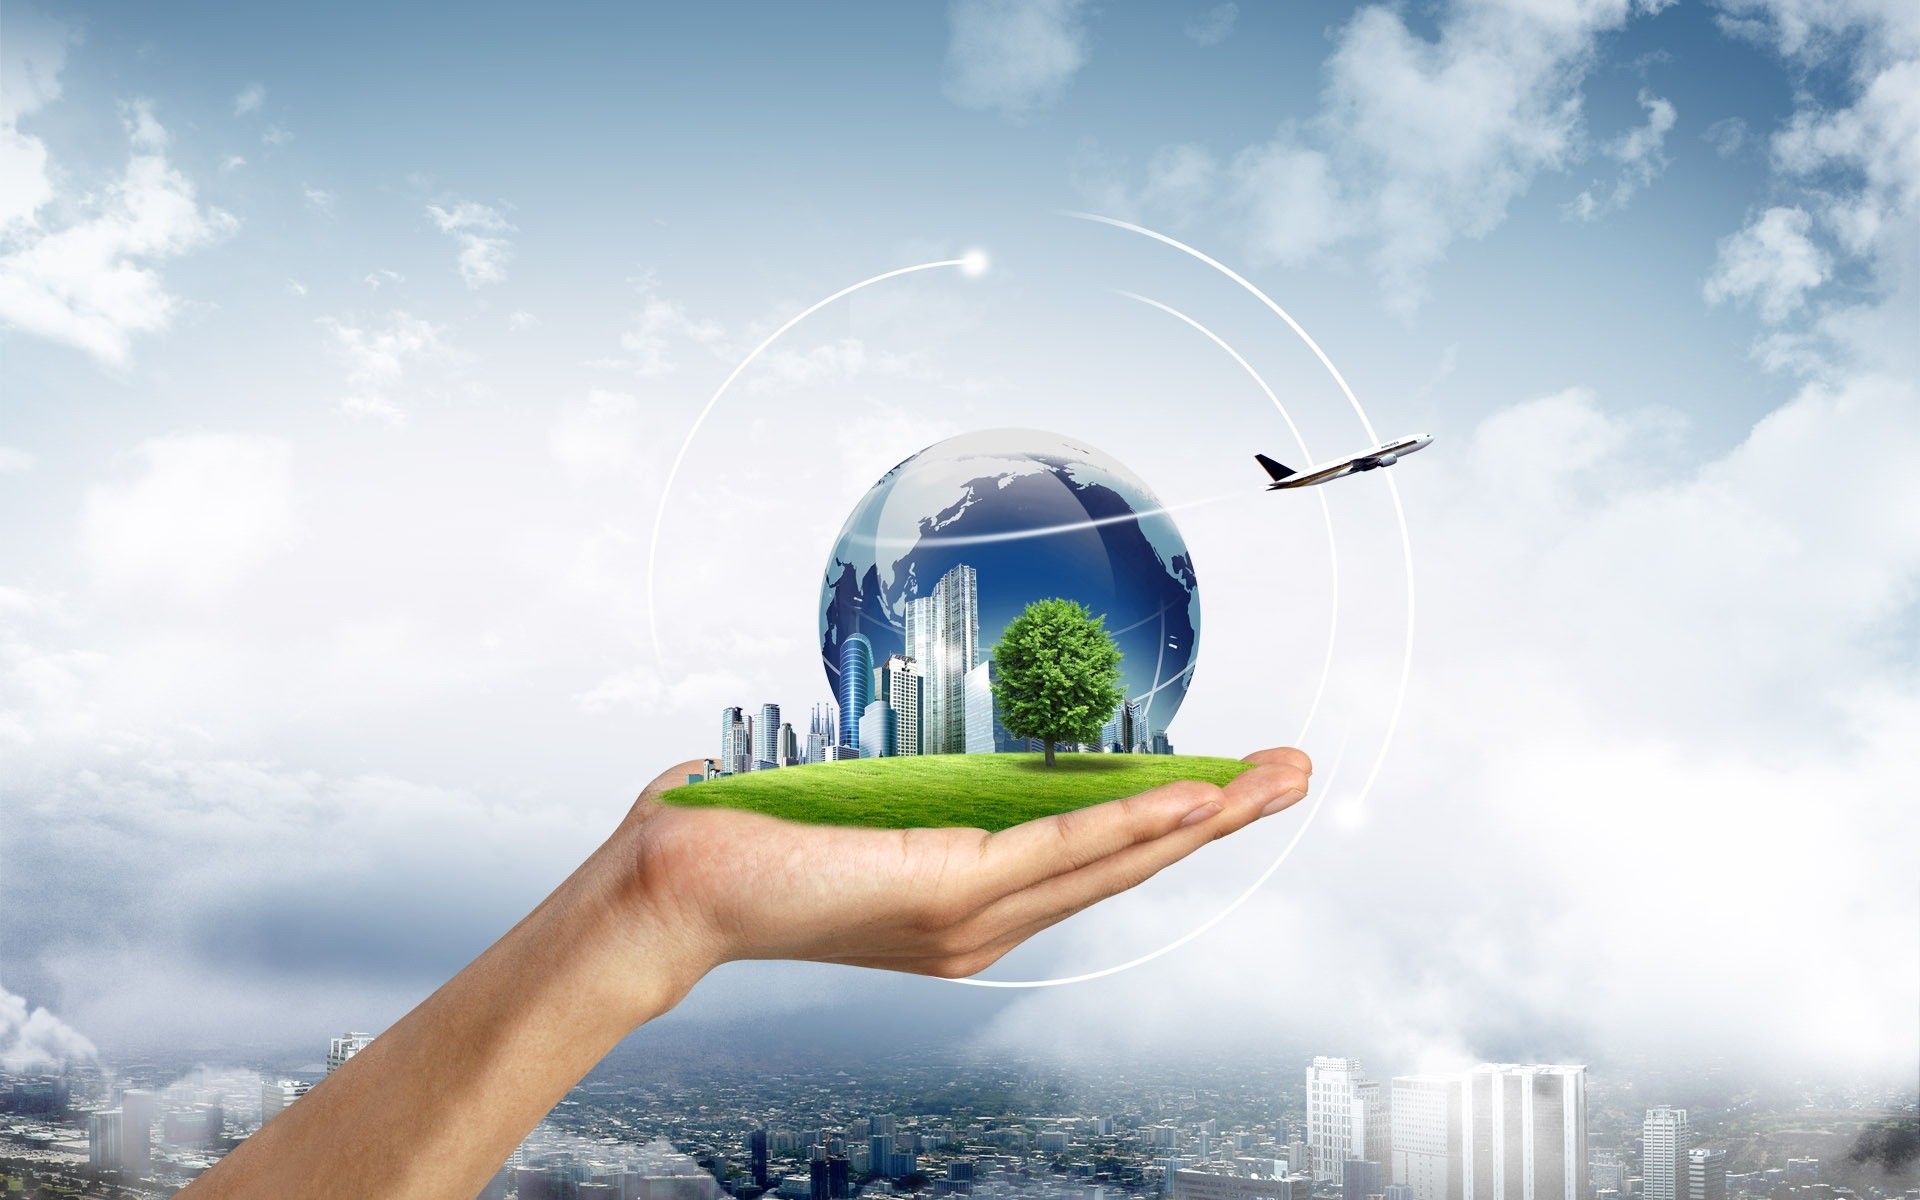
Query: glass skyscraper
{"x": 943, "y": 636}
{"x": 856, "y": 686}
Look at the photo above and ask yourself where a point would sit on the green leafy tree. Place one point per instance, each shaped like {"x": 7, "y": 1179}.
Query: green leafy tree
{"x": 1056, "y": 674}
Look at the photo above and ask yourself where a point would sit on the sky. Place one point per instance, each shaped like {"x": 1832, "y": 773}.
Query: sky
{"x": 349, "y": 352}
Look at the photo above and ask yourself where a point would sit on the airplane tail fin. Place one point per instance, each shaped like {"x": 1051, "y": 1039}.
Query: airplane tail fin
{"x": 1279, "y": 471}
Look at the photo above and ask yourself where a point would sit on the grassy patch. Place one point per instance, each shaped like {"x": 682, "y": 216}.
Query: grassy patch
{"x": 979, "y": 791}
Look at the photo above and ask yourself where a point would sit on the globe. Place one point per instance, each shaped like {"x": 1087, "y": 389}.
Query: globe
{"x": 977, "y": 527}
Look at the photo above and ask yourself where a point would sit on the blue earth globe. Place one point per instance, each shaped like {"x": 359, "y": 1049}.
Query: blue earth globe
{"x": 1033, "y": 515}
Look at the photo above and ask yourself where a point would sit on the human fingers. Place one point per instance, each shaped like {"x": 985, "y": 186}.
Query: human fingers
{"x": 968, "y": 946}
{"x": 1262, "y": 791}
{"x": 1026, "y": 854}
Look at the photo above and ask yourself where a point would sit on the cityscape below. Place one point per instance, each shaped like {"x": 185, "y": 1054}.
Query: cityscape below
{"x": 645, "y": 1127}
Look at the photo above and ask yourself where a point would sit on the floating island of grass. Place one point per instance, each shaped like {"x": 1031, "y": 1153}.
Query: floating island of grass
{"x": 974, "y": 791}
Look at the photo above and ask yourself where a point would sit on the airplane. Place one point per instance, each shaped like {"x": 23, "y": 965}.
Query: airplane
{"x": 1383, "y": 455}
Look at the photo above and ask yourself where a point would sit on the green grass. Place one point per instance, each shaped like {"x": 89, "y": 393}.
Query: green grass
{"x": 978, "y": 791}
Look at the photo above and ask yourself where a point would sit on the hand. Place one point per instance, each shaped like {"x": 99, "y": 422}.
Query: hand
{"x": 946, "y": 902}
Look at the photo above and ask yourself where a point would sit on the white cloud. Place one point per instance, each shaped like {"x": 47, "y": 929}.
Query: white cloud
{"x": 1215, "y": 25}
{"x": 378, "y": 359}
{"x": 319, "y": 200}
{"x": 375, "y": 280}
{"x": 1013, "y": 56}
{"x": 478, "y": 228}
{"x": 90, "y": 282}
{"x": 232, "y": 162}
{"x": 1421, "y": 141}
{"x": 192, "y": 514}
{"x": 276, "y": 135}
{"x": 661, "y": 324}
{"x": 249, "y": 99}
{"x": 1641, "y": 155}
{"x": 1771, "y": 263}
{"x": 1727, "y": 136}
{"x": 598, "y": 436}
{"x": 13, "y": 461}
{"x": 31, "y": 58}
{"x": 33, "y": 1038}
{"x": 521, "y": 320}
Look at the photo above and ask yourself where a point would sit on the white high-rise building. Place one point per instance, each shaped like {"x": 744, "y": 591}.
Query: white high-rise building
{"x": 896, "y": 683}
{"x": 1427, "y": 1143}
{"x": 789, "y": 745}
{"x": 1664, "y": 1142}
{"x": 1346, "y": 1118}
{"x": 1526, "y": 1132}
{"x": 276, "y": 1094}
{"x": 943, "y": 639}
{"x": 343, "y": 1048}
{"x": 736, "y": 741}
{"x": 766, "y": 742}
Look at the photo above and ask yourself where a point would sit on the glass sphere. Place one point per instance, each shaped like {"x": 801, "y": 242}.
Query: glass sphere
{"x": 989, "y": 522}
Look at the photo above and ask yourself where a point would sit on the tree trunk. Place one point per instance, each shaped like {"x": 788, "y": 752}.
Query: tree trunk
{"x": 1049, "y": 753}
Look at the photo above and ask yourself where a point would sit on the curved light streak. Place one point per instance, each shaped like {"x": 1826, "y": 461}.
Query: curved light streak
{"x": 1406, "y": 666}
{"x": 970, "y": 263}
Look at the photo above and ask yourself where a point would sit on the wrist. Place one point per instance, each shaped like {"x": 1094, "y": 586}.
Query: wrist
{"x": 649, "y": 940}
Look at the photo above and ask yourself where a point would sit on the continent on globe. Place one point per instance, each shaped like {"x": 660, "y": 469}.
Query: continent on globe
{"x": 953, "y": 543}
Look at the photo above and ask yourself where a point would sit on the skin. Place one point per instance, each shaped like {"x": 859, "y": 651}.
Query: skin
{"x": 437, "y": 1102}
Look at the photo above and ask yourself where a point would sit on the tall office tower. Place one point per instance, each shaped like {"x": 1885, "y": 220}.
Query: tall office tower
{"x": 1706, "y": 1174}
{"x": 856, "y": 678}
{"x": 1336, "y": 1110}
{"x": 1526, "y": 1133}
{"x": 896, "y": 684}
{"x": 1119, "y": 733}
{"x": 1426, "y": 1135}
{"x": 986, "y": 732}
{"x": 736, "y": 749}
{"x": 880, "y": 1155}
{"x": 1361, "y": 1178}
{"x": 1158, "y": 743}
{"x": 142, "y": 1109}
{"x": 943, "y": 638}
{"x": 766, "y": 747}
{"x": 757, "y": 1156}
{"x": 106, "y": 1140}
{"x": 1397, "y": 1191}
{"x": 789, "y": 745}
{"x": 343, "y": 1048}
{"x": 1664, "y": 1141}
{"x": 879, "y": 731}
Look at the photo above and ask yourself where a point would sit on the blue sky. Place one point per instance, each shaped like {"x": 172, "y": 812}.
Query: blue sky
{"x": 347, "y": 351}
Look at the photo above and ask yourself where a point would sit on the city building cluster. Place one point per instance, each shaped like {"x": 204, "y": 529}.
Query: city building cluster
{"x": 720, "y": 1125}
{"x": 935, "y": 697}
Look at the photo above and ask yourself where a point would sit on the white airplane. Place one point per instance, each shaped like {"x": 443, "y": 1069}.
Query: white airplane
{"x": 1383, "y": 455}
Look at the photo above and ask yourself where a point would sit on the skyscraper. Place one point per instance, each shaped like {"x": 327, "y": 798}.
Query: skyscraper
{"x": 736, "y": 752}
{"x": 1120, "y": 732}
{"x": 1664, "y": 1142}
{"x": 856, "y": 683}
{"x": 106, "y": 1140}
{"x": 766, "y": 743}
{"x": 1427, "y": 1135}
{"x": 343, "y": 1048}
{"x": 943, "y": 638}
{"x": 789, "y": 745}
{"x": 1706, "y": 1174}
{"x": 986, "y": 732}
{"x": 1346, "y": 1117}
{"x": 879, "y": 731}
{"x": 1526, "y": 1131}
{"x": 896, "y": 684}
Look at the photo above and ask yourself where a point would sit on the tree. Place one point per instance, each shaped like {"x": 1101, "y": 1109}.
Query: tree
{"x": 1056, "y": 674}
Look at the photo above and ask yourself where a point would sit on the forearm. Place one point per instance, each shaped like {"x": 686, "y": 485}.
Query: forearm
{"x": 438, "y": 1101}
